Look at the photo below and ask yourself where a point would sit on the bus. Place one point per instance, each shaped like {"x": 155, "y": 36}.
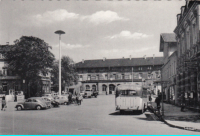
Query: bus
{"x": 132, "y": 97}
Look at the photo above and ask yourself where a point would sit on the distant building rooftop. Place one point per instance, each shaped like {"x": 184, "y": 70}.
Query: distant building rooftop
{"x": 166, "y": 38}
{"x": 120, "y": 62}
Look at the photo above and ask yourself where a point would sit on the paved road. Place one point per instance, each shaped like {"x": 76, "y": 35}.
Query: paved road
{"x": 96, "y": 116}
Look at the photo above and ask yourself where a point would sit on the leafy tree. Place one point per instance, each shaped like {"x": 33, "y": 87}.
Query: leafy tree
{"x": 29, "y": 58}
{"x": 68, "y": 72}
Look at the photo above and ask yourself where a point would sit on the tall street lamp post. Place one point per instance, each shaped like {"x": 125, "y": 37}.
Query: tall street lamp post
{"x": 59, "y": 32}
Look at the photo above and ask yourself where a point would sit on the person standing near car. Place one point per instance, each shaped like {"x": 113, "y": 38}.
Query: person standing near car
{"x": 80, "y": 98}
{"x": 3, "y": 103}
{"x": 70, "y": 97}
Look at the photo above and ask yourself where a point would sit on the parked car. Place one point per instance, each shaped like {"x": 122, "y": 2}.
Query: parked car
{"x": 88, "y": 94}
{"x": 82, "y": 93}
{"x": 31, "y": 103}
{"x": 54, "y": 95}
{"x": 48, "y": 102}
{"x": 95, "y": 94}
{"x": 48, "y": 95}
{"x": 54, "y": 103}
{"x": 62, "y": 99}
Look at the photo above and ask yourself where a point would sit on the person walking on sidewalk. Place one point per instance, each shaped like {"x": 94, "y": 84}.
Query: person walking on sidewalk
{"x": 183, "y": 104}
{"x": 158, "y": 100}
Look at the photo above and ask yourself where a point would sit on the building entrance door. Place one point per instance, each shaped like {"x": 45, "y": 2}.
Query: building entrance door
{"x": 111, "y": 88}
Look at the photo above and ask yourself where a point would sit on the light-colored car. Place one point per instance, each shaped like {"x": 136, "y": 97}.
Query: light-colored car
{"x": 48, "y": 95}
{"x": 82, "y": 93}
{"x": 88, "y": 94}
{"x": 31, "y": 103}
{"x": 62, "y": 99}
{"x": 47, "y": 101}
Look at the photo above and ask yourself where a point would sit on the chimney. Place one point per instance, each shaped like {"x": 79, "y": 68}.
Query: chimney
{"x": 153, "y": 56}
{"x": 82, "y": 60}
{"x": 144, "y": 56}
{"x": 130, "y": 57}
{"x": 7, "y": 43}
{"x": 104, "y": 59}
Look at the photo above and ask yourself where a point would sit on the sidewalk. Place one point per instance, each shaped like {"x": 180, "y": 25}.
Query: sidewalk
{"x": 173, "y": 116}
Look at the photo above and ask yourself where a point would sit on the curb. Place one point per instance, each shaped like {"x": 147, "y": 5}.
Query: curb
{"x": 176, "y": 126}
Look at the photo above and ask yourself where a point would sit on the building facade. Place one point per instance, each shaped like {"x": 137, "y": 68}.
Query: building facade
{"x": 106, "y": 74}
{"x": 168, "y": 46}
{"x": 188, "y": 48}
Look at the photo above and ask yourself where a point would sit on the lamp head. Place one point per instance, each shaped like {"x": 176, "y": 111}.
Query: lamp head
{"x": 59, "y": 32}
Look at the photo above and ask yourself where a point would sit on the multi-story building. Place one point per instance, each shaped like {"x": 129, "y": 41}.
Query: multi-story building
{"x": 105, "y": 75}
{"x": 11, "y": 83}
{"x": 188, "y": 48}
{"x": 168, "y": 46}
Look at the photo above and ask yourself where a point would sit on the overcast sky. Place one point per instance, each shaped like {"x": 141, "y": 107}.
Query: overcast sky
{"x": 94, "y": 29}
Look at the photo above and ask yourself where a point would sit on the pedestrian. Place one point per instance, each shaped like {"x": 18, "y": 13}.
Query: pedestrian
{"x": 183, "y": 103}
{"x": 70, "y": 97}
{"x": 158, "y": 100}
{"x": 3, "y": 103}
{"x": 80, "y": 98}
{"x": 77, "y": 100}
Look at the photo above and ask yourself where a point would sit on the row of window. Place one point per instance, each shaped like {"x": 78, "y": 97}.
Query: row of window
{"x": 188, "y": 38}
{"x": 115, "y": 69}
{"x": 117, "y": 76}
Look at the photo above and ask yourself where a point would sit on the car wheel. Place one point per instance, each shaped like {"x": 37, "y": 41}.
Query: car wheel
{"x": 38, "y": 107}
{"x": 65, "y": 103}
{"x": 52, "y": 106}
{"x": 19, "y": 108}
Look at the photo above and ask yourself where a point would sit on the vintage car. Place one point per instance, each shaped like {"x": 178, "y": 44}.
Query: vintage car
{"x": 48, "y": 95}
{"x": 62, "y": 99}
{"x": 88, "y": 93}
{"x": 95, "y": 94}
{"x": 48, "y": 102}
{"x": 54, "y": 103}
{"x": 31, "y": 103}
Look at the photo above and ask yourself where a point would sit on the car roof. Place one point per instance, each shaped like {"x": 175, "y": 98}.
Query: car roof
{"x": 35, "y": 98}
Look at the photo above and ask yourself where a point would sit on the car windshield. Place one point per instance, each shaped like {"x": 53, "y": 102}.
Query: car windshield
{"x": 87, "y": 90}
{"x": 128, "y": 93}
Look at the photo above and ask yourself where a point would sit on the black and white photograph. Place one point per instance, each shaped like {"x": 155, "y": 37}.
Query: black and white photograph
{"x": 100, "y": 67}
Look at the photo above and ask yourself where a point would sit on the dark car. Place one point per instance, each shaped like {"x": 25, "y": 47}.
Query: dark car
{"x": 54, "y": 103}
{"x": 31, "y": 103}
{"x": 95, "y": 93}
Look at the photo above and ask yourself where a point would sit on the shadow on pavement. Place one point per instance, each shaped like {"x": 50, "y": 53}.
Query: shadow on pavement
{"x": 117, "y": 113}
{"x": 189, "y": 118}
{"x": 146, "y": 119}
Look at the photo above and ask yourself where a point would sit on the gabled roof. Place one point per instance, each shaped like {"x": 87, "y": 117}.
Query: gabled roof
{"x": 168, "y": 37}
{"x": 120, "y": 62}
